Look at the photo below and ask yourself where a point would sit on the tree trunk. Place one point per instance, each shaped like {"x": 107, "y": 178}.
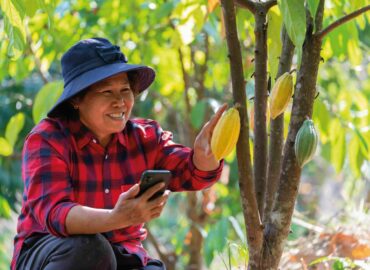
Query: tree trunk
{"x": 278, "y": 227}
{"x": 260, "y": 102}
{"x": 277, "y": 132}
{"x": 254, "y": 230}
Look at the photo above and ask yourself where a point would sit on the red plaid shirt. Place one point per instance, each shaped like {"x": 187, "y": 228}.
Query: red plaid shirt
{"x": 63, "y": 166}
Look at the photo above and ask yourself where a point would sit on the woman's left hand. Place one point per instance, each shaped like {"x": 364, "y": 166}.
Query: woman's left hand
{"x": 203, "y": 158}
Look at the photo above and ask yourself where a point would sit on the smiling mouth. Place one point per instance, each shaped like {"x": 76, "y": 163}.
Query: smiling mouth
{"x": 117, "y": 116}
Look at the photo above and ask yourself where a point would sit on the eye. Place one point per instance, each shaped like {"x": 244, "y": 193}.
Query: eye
{"x": 106, "y": 92}
{"x": 126, "y": 91}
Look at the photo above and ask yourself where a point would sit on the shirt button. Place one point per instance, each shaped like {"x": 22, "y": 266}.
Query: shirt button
{"x": 106, "y": 190}
{"x": 106, "y": 156}
{"x": 94, "y": 141}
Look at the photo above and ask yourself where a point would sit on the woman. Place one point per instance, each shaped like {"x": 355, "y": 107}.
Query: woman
{"x": 82, "y": 164}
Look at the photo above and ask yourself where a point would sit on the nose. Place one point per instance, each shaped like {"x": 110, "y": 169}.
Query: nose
{"x": 119, "y": 100}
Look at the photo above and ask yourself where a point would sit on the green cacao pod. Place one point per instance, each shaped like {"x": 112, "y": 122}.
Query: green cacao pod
{"x": 305, "y": 142}
{"x": 281, "y": 94}
{"x": 226, "y": 133}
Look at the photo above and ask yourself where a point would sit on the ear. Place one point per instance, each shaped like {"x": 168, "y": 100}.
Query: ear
{"x": 75, "y": 102}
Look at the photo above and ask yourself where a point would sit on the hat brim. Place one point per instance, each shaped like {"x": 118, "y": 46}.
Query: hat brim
{"x": 144, "y": 77}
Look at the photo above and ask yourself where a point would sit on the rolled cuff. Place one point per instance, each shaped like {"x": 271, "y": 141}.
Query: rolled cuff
{"x": 56, "y": 220}
{"x": 206, "y": 176}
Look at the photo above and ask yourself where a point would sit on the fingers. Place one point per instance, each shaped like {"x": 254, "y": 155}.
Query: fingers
{"x": 136, "y": 210}
{"x": 158, "y": 204}
{"x": 160, "y": 201}
{"x": 151, "y": 191}
{"x": 156, "y": 212}
{"x": 131, "y": 193}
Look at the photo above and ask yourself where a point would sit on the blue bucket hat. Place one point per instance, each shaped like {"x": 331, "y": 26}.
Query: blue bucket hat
{"x": 95, "y": 59}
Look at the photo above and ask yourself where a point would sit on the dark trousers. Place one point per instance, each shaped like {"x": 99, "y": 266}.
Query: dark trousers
{"x": 79, "y": 252}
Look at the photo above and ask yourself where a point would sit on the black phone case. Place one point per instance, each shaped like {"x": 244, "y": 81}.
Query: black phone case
{"x": 150, "y": 178}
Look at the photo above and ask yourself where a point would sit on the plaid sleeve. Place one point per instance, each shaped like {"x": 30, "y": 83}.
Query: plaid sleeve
{"x": 179, "y": 160}
{"x": 47, "y": 184}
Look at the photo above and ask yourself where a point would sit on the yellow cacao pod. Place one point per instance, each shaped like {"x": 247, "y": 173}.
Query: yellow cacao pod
{"x": 226, "y": 133}
{"x": 305, "y": 142}
{"x": 281, "y": 94}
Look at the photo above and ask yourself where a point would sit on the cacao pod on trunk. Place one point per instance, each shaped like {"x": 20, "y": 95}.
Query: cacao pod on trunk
{"x": 305, "y": 142}
{"x": 281, "y": 94}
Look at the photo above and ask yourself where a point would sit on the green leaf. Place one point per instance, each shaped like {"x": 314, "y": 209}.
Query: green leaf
{"x": 294, "y": 17}
{"x": 20, "y": 6}
{"x": 45, "y": 99}
{"x": 237, "y": 229}
{"x": 48, "y": 8}
{"x": 13, "y": 128}
{"x": 30, "y": 6}
{"x": 274, "y": 44}
{"x": 338, "y": 146}
{"x": 5, "y": 211}
{"x": 363, "y": 143}
{"x": 5, "y": 147}
{"x": 338, "y": 265}
{"x": 197, "y": 114}
{"x": 216, "y": 239}
{"x": 312, "y": 7}
{"x": 322, "y": 120}
{"x": 354, "y": 51}
{"x": 355, "y": 156}
{"x": 14, "y": 28}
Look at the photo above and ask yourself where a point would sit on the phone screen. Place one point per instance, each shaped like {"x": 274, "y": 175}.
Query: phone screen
{"x": 150, "y": 178}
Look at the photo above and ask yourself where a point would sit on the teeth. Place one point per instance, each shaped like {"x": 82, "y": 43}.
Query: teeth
{"x": 116, "y": 115}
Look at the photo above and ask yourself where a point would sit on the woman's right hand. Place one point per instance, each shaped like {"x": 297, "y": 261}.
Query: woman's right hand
{"x": 130, "y": 210}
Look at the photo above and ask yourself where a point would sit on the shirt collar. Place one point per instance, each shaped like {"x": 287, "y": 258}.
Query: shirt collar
{"x": 83, "y": 135}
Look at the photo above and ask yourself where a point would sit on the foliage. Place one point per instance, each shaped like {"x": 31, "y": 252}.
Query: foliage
{"x": 339, "y": 263}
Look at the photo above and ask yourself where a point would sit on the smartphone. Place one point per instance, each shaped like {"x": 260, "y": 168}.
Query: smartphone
{"x": 150, "y": 178}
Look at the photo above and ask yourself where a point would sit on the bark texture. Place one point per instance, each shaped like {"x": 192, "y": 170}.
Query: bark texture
{"x": 260, "y": 104}
{"x": 277, "y": 131}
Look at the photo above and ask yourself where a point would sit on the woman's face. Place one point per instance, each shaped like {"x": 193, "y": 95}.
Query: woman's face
{"x": 106, "y": 106}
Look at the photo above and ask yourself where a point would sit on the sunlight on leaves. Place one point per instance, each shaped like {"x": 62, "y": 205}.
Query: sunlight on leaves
{"x": 14, "y": 27}
{"x": 274, "y": 42}
{"x": 13, "y": 128}
{"x": 45, "y": 99}
{"x": 5, "y": 210}
{"x": 5, "y": 148}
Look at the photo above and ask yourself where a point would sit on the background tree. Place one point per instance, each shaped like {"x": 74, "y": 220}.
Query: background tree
{"x": 185, "y": 42}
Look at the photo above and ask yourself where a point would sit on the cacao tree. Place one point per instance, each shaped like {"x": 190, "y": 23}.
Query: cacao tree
{"x": 184, "y": 41}
{"x": 269, "y": 189}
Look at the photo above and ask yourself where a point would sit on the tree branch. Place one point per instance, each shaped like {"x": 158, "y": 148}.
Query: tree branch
{"x": 269, "y": 4}
{"x": 260, "y": 106}
{"x": 203, "y": 69}
{"x": 319, "y": 15}
{"x": 248, "y": 4}
{"x": 277, "y": 132}
{"x": 321, "y": 34}
{"x": 186, "y": 80}
{"x": 246, "y": 184}
{"x": 252, "y": 6}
